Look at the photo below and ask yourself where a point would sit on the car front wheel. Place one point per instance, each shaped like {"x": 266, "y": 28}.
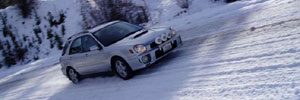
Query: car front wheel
{"x": 73, "y": 75}
{"x": 122, "y": 69}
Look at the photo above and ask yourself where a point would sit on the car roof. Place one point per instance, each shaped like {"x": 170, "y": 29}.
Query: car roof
{"x": 102, "y": 26}
{"x": 77, "y": 34}
{"x": 92, "y": 30}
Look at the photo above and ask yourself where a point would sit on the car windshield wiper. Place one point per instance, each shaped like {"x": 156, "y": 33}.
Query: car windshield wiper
{"x": 142, "y": 33}
{"x": 132, "y": 33}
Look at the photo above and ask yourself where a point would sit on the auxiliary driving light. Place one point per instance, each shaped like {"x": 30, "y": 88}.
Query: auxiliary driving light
{"x": 164, "y": 37}
{"x": 158, "y": 40}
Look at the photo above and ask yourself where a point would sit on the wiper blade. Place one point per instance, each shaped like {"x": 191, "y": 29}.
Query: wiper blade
{"x": 144, "y": 32}
{"x": 133, "y": 32}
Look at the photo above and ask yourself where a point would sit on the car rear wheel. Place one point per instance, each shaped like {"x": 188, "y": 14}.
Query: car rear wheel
{"x": 122, "y": 69}
{"x": 73, "y": 75}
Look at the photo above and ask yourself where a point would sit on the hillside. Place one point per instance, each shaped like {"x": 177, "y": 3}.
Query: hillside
{"x": 40, "y": 35}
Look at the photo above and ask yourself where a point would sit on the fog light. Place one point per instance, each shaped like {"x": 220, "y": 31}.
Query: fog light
{"x": 146, "y": 59}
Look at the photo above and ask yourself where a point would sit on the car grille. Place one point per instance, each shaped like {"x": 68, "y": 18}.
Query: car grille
{"x": 160, "y": 53}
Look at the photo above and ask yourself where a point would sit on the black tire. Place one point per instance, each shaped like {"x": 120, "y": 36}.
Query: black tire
{"x": 127, "y": 73}
{"x": 73, "y": 75}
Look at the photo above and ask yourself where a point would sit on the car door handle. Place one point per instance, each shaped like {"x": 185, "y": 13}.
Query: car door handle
{"x": 86, "y": 54}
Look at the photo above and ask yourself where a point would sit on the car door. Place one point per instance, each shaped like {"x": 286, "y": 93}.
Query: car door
{"x": 76, "y": 54}
{"x": 95, "y": 60}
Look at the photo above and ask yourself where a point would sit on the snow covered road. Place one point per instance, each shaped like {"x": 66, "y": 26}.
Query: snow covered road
{"x": 254, "y": 58}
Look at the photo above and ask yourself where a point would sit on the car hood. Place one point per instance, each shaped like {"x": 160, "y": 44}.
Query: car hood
{"x": 144, "y": 38}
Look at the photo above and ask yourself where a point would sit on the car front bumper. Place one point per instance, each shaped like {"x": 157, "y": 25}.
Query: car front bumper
{"x": 156, "y": 53}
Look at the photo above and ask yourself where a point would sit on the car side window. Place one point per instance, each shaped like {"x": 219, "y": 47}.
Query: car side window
{"x": 76, "y": 46}
{"x": 89, "y": 42}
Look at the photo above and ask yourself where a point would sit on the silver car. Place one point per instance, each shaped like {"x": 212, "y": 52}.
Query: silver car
{"x": 116, "y": 46}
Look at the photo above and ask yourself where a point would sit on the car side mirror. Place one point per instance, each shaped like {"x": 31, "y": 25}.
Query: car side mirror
{"x": 93, "y": 48}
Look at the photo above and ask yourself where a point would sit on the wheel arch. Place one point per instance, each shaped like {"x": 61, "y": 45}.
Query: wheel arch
{"x": 115, "y": 57}
{"x": 67, "y": 69}
{"x": 70, "y": 67}
{"x": 118, "y": 57}
{"x": 130, "y": 71}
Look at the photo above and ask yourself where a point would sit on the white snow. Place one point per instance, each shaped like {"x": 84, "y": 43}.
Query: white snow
{"x": 24, "y": 27}
{"x": 248, "y": 50}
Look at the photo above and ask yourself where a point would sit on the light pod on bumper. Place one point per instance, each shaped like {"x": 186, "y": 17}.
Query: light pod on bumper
{"x": 164, "y": 37}
{"x": 158, "y": 40}
{"x": 169, "y": 35}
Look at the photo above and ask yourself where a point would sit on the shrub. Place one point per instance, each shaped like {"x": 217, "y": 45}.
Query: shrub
{"x": 63, "y": 30}
{"x": 24, "y": 38}
{"x": 49, "y": 37}
{"x": 230, "y": 1}
{"x": 110, "y": 10}
{"x": 5, "y": 29}
{"x": 183, "y": 3}
{"x": 1, "y": 46}
{"x": 59, "y": 42}
{"x": 49, "y": 34}
{"x": 36, "y": 32}
{"x": 35, "y": 58}
{"x": 6, "y": 3}
{"x": 26, "y": 7}
{"x": 51, "y": 43}
{"x": 124, "y": 10}
{"x": 37, "y": 18}
{"x": 30, "y": 44}
{"x": 53, "y": 22}
{"x": 7, "y": 45}
{"x": 9, "y": 58}
{"x": 62, "y": 18}
{"x": 50, "y": 19}
{"x": 12, "y": 56}
{"x": 20, "y": 53}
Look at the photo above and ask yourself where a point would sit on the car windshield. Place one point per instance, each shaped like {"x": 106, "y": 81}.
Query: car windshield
{"x": 115, "y": 32}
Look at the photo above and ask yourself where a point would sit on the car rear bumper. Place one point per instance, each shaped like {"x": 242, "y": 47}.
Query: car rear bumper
{"x": 156, "y": 53}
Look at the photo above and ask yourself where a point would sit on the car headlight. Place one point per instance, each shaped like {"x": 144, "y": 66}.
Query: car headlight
{"x": 140, "y": 48}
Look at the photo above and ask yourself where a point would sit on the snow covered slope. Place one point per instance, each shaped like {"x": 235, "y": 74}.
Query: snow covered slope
{"x": 167, "y": 10}
{"x": 42, "y": 34}
{"x": 251, "y": 51}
